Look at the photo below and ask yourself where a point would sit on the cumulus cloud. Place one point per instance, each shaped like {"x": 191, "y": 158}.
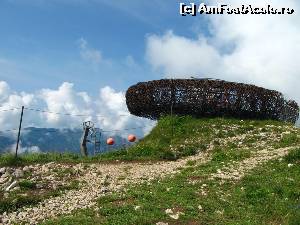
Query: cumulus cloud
{"x": 112, "y": 101}
{"x": 180, "y": 56}
{"x": 258, "y": 49}
{"x": 66, "y": 100}
{"x": 108, "y": 110}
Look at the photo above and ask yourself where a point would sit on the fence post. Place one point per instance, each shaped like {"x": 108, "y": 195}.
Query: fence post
{"x": 19, "y": 133}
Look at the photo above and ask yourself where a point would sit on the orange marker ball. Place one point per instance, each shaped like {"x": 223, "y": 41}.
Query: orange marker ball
{"x": 131, "y": 138}
{"x": 110, "y": 141}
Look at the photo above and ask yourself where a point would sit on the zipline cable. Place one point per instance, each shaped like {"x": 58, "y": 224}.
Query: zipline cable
{"x": 68, "y": 114}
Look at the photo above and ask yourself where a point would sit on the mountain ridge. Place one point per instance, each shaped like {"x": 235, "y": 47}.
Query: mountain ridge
{"x": 35, "y": 139}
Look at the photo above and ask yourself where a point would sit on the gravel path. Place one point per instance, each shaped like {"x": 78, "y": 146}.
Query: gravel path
{"x": 100, "y": 180}
{"x": 236, "y": 171}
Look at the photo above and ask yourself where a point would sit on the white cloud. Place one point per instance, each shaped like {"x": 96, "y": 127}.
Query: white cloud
{"x": 112, "y": 101}
{"x": 181, "y": 56}
{"x": 105, "y": 110}
{"x": 4, "y": 90}
{"x": 261, "y": 49}
{"x": 65, "y": 100}
{"x": 89, "y": 54}
{"x": 22, "y": 149}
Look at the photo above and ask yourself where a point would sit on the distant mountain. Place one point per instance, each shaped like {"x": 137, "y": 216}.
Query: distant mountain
{"x": 5, "y": 142}
{"x": 58, "y": 140}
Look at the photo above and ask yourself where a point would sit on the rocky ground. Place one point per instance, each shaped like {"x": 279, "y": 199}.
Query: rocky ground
{"x": 106, "y": 178}
{"x": 99, "y": 180}
{"x": 48, "y": 176}
{"x": 236, "y": 170}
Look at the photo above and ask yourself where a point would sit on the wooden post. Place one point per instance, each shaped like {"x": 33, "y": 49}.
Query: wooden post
{"x": 19, "y": 133}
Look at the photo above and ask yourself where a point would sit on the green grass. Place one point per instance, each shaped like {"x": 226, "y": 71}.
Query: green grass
{"x": 270, "y": 194}
{"x": 27, "y": 185}
{"x": 31, "y": 158}
{"x": 190, "y": 135}
{"x": 17, "y": 199}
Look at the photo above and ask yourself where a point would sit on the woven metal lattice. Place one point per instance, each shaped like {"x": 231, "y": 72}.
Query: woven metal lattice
{"x": 208, "y": 97}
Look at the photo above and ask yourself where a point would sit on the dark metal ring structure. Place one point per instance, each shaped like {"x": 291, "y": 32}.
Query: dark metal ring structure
{"x": 208, "y": 98}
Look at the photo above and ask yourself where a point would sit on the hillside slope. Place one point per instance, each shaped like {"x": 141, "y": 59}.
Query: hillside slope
{"x": 177, "y": 137}
{"x": 222, "y": 171}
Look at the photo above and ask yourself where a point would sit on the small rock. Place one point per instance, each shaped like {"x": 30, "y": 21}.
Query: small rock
{"x": 45, "y": 169}
{"x": 39, "y": 186}
{"x": 169, "y": 189}
{"x": 12, "y": 185}
{"x": 24, "y": 194}
{"x": 220, "y": 212}
{"x": 3, "y": 180}
{"x": 7, "y": 183}
{"x": 137, "y": 207}
{"x": 50, "y": 163}
{"x": 104, "y": 189}
{"x": 26, "y": 169}
{"x": 200, "y": 207}
{"x": 161, "y": 223}
{"x": 9, "y": 170}
{"x": 175, "y": 216}
{"x": 290, "y": 165}
{"x": 169, "y": 211}
{"x": 103, "y": 181}
{"x": 6, "y": 174}
{"x": 235, "y": 173}
{"x": 2, "y": 170}
{"x": 18, "y": 173}
{"x": 17, "y": 188}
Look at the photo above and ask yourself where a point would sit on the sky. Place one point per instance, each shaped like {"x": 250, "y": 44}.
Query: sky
{"x": 80, "y": 56}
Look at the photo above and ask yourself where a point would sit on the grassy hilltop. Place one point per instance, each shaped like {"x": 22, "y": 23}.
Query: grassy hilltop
{"x": 250, "y": 175}
{"x": 177, "y": 137}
